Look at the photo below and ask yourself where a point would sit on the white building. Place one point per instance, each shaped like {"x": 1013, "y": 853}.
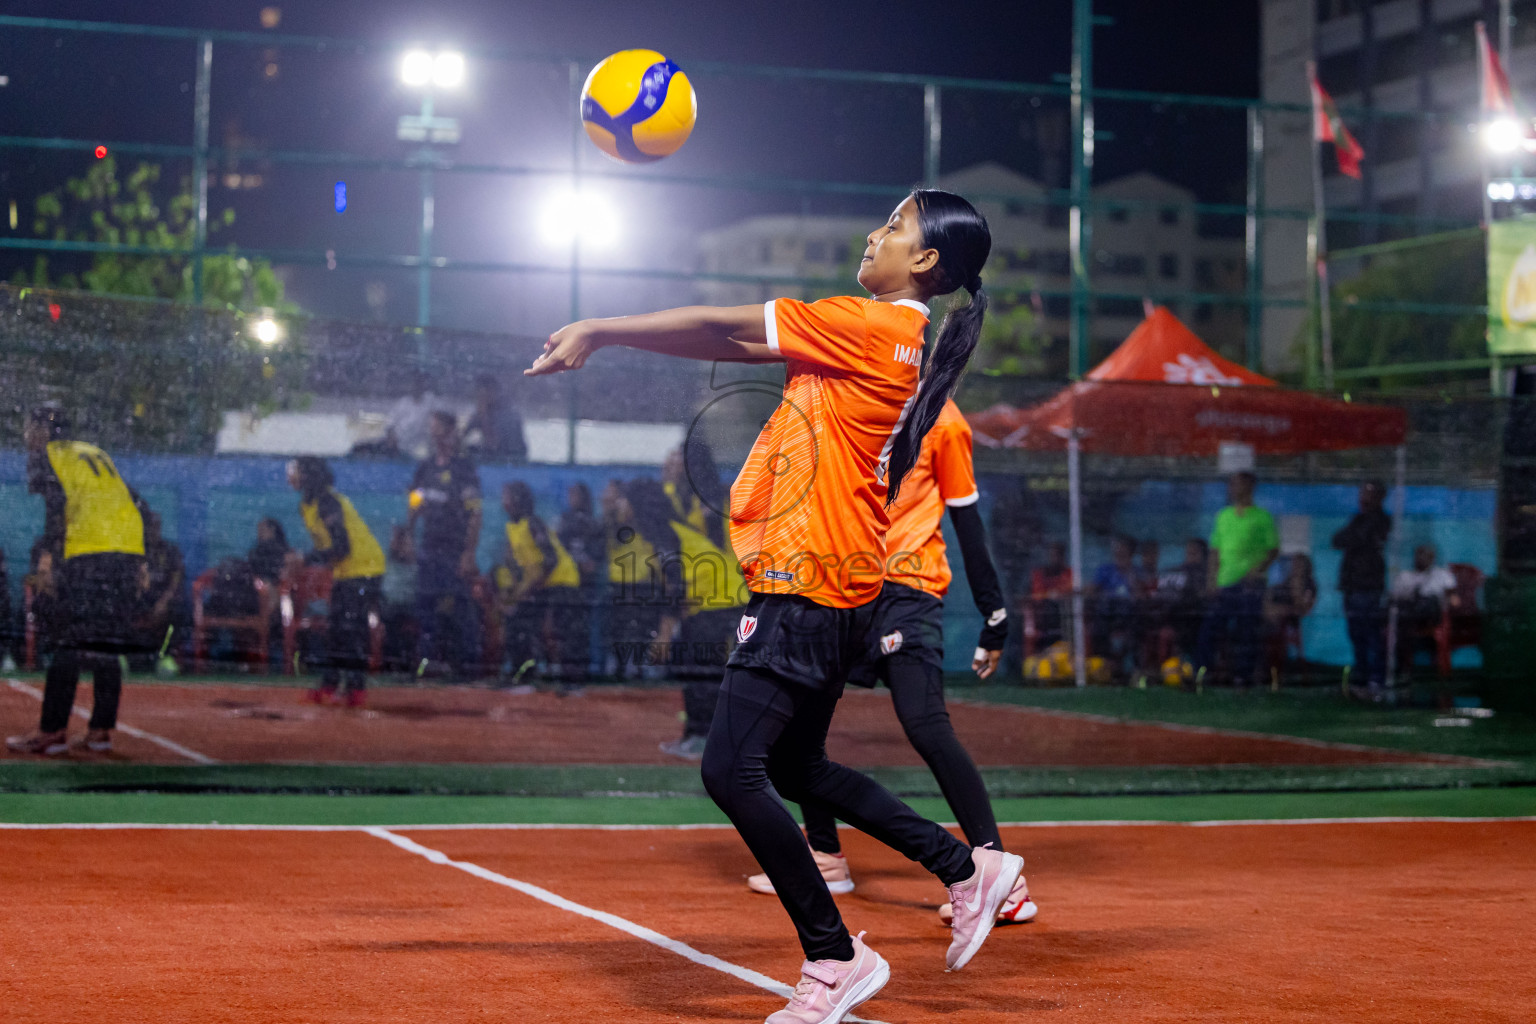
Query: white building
{"x": 1151, "y": 247}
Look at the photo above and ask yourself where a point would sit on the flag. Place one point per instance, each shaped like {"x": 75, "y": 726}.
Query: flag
{"x": 1328, "y": 126}
{"x": 1497, "y": 96}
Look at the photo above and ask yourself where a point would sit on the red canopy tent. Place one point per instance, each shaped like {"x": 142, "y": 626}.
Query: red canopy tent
{"x": 1165, "y": 392}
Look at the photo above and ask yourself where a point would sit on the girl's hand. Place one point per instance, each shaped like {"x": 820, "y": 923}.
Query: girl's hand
{"x": 567, "y": 349}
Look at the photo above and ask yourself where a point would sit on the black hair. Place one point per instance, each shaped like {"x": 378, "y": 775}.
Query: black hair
{"x": 53, "y": 416}
{"x": 952, "y": 226}
{"x": 278, "y": 533}
{"x": 653, "y": 521}
{"x": 314, "y": 475}
{"x": 583, "y": 503}
{"x": 521, "y": 496}
{"x": 447, "y": 418}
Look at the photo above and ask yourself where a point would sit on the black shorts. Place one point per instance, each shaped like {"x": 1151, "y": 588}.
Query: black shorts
{"x": 801, "y": 641}
{"x": 906, "y": 621}
{"x": 100, "y": 600}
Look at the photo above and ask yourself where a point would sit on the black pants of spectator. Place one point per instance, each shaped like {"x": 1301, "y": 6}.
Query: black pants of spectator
{"x": 1234, "y": 619}
{"x": 572, "y": 638}
{"x": 346, "y": 628}
{"x": 1367, "y": 624}
{"x": 444, "y": 612}
{"x": 917, "y": 692}
{"x": 770, "y": 734}
{"x": 705, "y": 641}
{"x": 1416, "y": 620}
{"x": 98, "y": 597}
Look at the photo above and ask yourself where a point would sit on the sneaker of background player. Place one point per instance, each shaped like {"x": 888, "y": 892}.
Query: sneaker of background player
{"x": 834, "y": 871}
{"x": 976, "y": 901}
{"x": 97, "y": 741}
{"x": 830, "y": 989}
{"x": 357, "y": 698}
{"x": 1018, "y": 908}
{"x": 689, "y": 748}
{"x": 49, "y": 744}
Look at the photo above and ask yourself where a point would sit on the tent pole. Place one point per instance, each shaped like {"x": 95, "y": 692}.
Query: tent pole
{"x": 1075, "y": 537}
{"x": 1395, "y": 559}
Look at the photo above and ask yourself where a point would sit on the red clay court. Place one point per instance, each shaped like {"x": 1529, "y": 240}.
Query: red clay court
{"x": 622, "y": 725}
{"x": 1371, "y": 923}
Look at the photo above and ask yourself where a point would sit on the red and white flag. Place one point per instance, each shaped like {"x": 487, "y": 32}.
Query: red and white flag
{"x": 1328, "y": 126}
{"x": 1497, "y": 96}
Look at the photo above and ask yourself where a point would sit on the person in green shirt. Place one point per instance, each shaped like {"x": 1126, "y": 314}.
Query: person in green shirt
{"x": 1244, "y": 543}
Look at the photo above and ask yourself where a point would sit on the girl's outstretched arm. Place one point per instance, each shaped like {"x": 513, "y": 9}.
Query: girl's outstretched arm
{"x": 708, "y": 333}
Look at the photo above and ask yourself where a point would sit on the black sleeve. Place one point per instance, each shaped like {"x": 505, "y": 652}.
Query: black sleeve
{"x": 1348, "y": 536}
{"x": 540, "y": 534}
{"x": 41, "y": 479}
{"x": 985, "y": 589}
{"x": 335, "y": 525}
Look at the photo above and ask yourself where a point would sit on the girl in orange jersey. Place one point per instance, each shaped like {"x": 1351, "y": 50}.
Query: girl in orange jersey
{"x": 808, "y": 524}
{"x": 906, "y": 646}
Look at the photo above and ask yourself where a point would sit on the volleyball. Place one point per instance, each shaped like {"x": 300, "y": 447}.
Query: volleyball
{"x": 637, "y": 106}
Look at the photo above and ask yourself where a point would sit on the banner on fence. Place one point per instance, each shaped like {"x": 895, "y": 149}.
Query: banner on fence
{"x": 1512, "y": 286}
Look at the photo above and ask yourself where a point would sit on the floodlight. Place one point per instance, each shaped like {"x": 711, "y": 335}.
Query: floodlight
{"x": 448, "y": 70}
{"x": 1503, "y": 135}
{"x": 586, "y": 216}
{"x": 416, "y": 68}
{"x": 266, "y": 331}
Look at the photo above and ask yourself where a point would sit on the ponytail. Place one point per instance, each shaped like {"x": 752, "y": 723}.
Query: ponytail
{"x": 960, "y": 234}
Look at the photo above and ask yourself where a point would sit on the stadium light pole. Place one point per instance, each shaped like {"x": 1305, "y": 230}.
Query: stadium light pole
{"x": 429, "y": 72}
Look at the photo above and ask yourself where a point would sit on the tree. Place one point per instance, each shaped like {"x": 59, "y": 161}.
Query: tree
{"x": 99, "y": 207}
{"x": 146, "y": 375}
{"x": 1451, "y": 271}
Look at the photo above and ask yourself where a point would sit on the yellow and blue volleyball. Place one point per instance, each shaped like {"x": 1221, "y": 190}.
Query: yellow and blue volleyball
{"x": 638, "y": 107}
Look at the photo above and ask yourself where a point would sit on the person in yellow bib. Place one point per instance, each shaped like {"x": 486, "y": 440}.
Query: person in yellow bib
{"x": 538, "y": 583}
{"x": 345, "y": 544}
{"x": 94, "y": 530}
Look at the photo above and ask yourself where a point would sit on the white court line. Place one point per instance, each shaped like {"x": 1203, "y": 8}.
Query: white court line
{"x": 628, "y": 927}
{"x": 215, "y": 826}
{"x": 161, "y": 741}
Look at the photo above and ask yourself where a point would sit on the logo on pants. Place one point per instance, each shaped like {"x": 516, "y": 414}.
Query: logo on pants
{"x": 745, "y": 628}
{"x": 890, "y": 643}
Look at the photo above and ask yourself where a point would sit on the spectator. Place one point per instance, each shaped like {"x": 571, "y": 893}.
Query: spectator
{"x": 631, "y": 618}
{"x": 688, "y": 507}
{"x": 582, "y": 535}
{"x": 1049, "y": 586}
{"x": 1182, "y": 591}
{"x": 1286, "y": 604}
{"x": 538, "y": 584}
{"x": 399, "y": 592}
{"x": 656, "y": 615}
{"x": 270, "y": 552}
{"x": 344, "y": 543}
{"x": 166, "y": 614}
{"x": 1420, "y": 595}
{"x": 714, "y": 593}
{"x": 494, "y": 432}
{"x": 1244, "y": 544}
{"x": 1112, "y": 607}
{"x": 406, "y": 431}
{"x": 1362, "y": 579}
{"x": 445, "y": 500}
{"x": 95, "y": 533}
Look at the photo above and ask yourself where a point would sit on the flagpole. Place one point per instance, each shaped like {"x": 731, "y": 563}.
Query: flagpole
{"x": 1320, "y": 246}
{"x": 1482, "y": 122}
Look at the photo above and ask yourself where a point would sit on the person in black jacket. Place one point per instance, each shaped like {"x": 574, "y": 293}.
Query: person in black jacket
{"x": 1362, "y": 580}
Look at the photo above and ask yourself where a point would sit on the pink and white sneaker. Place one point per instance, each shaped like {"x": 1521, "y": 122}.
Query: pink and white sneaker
{"x": 1018, "y": 908}
{"x": 976, "y": 901}
{"x": 830, "y": 989}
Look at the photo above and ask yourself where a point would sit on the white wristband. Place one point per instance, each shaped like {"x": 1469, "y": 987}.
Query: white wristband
{"x": 980, "y": 655}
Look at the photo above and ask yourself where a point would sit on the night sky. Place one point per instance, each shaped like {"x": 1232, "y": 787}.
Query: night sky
{"x": 136, "y": 90}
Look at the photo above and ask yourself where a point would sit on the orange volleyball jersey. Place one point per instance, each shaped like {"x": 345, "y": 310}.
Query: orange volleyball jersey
{"x": 943, "y": 477}
{"x": 808, "y": 510}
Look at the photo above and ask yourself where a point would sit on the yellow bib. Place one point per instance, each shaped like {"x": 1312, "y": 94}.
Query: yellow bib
{"x": 711, "y": 578}
{"x": 99, "y": 514}
{"x": 366, "y": 557}
{"x": 690, "y": 511}
{"x": 630, "y": 561}
{"x": 526, "y": 553}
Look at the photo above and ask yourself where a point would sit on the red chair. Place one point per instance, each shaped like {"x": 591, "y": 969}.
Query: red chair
{"x": 1461, "y": 621}
{"x": 297, "y": 593}
{"x": 257, "y": 625}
